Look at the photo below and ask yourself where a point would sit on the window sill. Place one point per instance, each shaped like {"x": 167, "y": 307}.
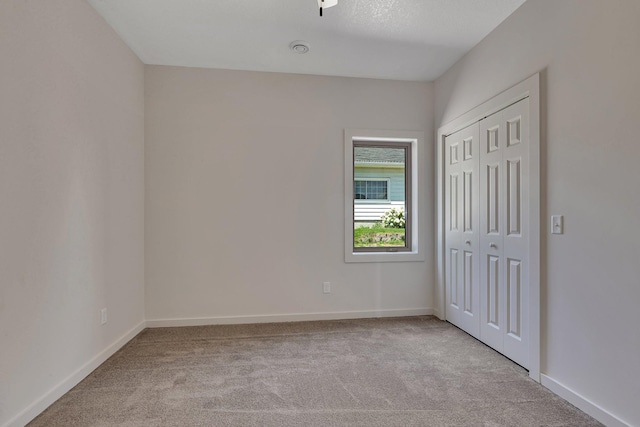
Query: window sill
{"x": 383, "y": 257}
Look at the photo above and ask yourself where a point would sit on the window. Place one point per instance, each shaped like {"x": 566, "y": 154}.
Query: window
{"x": 379, "y": 215}
{"x": 380, "y": 189}
{"x": 371, "y": 189}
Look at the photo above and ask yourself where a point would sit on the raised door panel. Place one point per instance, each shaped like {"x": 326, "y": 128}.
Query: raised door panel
{"x": 513, "y": 192}
{"x": 492, "y": 194}
{"x": 469, "y": 197}
{"x": 454, "y": 201}
{"x": 453, "y": 265}
{"x": 514, "y": 298}
{"x": 469, "y": 284}
{"x": 493, "y": 299}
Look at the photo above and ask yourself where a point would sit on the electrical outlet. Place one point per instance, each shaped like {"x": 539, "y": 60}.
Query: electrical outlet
{"x": 326, "y": 287}
{"x": 103, "y": 316}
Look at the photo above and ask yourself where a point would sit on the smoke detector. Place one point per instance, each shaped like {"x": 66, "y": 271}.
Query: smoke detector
{"x": 299, "y": 46}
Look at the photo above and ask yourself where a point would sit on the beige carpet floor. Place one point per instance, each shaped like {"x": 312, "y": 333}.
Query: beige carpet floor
{"x": 414, "y": 371}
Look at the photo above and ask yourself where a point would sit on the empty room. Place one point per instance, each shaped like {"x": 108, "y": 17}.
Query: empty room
{"x": 319, "y": 213}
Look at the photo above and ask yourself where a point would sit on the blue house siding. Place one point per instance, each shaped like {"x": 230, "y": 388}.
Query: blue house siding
{"x": 372, "y": 211}
{"x": 395, "y": 175}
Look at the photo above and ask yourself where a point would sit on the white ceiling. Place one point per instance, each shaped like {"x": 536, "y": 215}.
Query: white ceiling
{"x": 389, "y": 39}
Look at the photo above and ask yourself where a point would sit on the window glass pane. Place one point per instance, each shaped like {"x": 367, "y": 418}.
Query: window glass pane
{"x": 370, "y": 190}
{"x": 379, "y": 196}
{"x": 360, "y": 190}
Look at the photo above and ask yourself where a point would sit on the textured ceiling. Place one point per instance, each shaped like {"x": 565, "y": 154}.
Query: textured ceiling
{"x": 390, "y": 39}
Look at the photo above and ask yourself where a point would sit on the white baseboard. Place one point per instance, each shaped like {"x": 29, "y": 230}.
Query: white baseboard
{"x": 72, "y": 380}
{"x": 582, "y": 403}
{"x": 296, "y": 317}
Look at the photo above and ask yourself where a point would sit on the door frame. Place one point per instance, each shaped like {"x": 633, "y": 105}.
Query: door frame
{"x": 529, "y": 88}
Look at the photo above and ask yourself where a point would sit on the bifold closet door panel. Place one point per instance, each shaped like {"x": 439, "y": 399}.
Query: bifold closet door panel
{"x": 492, "y": 290}
{"x": 504, "y": 239}
{"x": 452, "y": 228}
{"x": 515, "y": 211}
{"x": 462, "y": 287}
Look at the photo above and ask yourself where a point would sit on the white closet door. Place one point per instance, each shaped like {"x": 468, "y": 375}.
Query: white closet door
{"x": 504, "y": 198}
{"x": 461, "y": 221}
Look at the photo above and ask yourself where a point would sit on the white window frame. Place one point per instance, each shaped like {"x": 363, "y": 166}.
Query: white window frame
{"x": 387, "y": 200}
{"x": 416, "y": 139}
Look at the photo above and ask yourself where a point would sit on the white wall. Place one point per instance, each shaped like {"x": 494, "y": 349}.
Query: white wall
{"x": 244, "y": 194}
{"x": 71, "y": 191}
{"x": 588, "y": 52}
{"x": 244, "y": 190}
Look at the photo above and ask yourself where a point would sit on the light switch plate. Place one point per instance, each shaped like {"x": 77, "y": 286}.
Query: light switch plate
{"x": 557, "y": 224}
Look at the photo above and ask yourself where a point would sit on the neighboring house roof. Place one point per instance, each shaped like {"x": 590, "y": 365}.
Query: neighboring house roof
{"x": 378, "y": 155}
